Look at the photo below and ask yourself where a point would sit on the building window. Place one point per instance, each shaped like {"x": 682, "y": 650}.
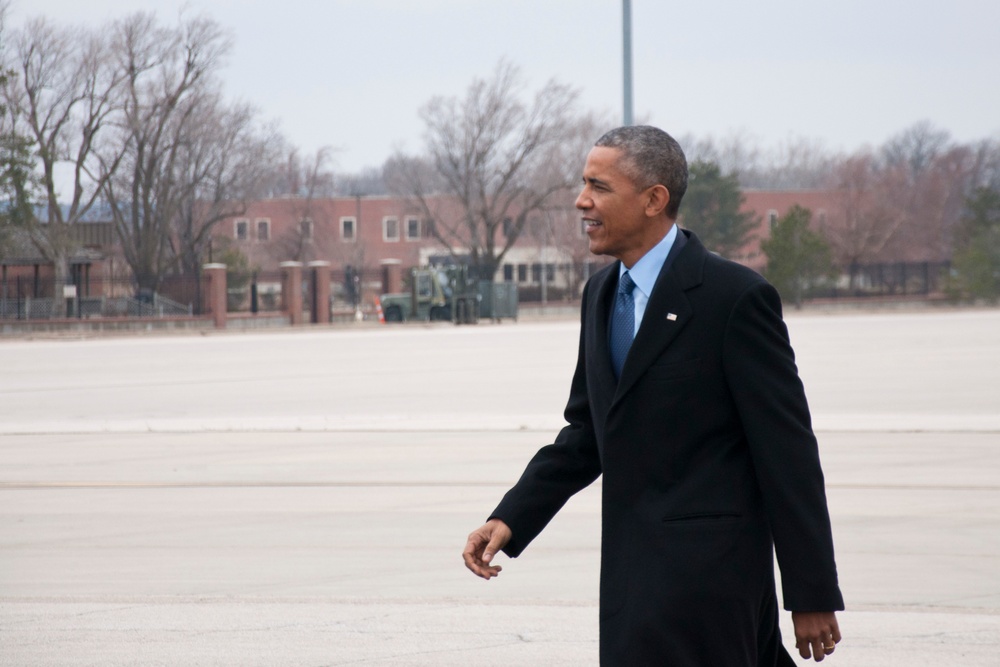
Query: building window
{"x": 772, "y": 219}
{"x": 242, "y": 230}
{"x": 348, "y": 230}
{"x": 263, "y": 230}
{"x": 306, "y": 229}
{"x": 536, "y": 273}
{"x": 429, "y": 227}
{"x": 412, "y": 229}
{"x": 522, "y": 273}
{"x": 508, "y": 227}
{"x": 390, "y": 229}
{"x": 821, "y": 218}
{"x": 508, "y": 273}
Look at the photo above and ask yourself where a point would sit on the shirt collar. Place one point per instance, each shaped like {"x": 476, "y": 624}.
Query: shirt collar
{"x": 645, "y": 272}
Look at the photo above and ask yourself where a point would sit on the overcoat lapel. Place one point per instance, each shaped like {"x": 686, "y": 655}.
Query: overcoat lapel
{"x": 667, "y": 312}
{"x": 602, "y": 304}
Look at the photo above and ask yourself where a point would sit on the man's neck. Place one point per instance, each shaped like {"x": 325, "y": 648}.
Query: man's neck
{"x": 631, "y": 261}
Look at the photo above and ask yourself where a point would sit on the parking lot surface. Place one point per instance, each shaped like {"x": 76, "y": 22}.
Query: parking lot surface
{"x": 303, "y": 497}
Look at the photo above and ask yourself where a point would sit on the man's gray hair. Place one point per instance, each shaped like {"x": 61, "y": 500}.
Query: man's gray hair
{"x": 650, "y": 156}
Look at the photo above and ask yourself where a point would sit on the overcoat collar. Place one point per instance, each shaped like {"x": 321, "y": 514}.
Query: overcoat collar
{"x": 667, "y": 312}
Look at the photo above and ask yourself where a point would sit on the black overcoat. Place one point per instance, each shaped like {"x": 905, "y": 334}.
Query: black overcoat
{"x": 710, "y": 466}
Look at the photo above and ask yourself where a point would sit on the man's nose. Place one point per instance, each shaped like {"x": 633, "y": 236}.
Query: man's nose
{"x": 583, "y": 201}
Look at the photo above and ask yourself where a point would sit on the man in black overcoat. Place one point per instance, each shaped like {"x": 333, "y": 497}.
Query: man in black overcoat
{"x": 686, "y": 398}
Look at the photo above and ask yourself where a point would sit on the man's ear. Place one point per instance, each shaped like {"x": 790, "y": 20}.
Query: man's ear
{"x": 657, "y": 198}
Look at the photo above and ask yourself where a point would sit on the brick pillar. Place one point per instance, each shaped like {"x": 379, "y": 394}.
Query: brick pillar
{"x": 291, "y": 291}
{"x": 392, "y": 276}
{"x": 320, "y": 291}
{"x": 214, "y": 293}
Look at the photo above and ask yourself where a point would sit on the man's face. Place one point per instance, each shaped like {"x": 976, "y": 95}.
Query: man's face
{"x": 614, "y": 209}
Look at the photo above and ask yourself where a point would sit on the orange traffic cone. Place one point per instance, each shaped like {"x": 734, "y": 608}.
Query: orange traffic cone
{"x": 378, "y": 309}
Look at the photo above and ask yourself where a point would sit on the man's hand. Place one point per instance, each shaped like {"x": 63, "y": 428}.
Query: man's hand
{"x": 816, "y": 631}
{"x": 483, "y": 545}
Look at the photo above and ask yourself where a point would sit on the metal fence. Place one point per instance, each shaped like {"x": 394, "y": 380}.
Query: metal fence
{"x": 350, "y": 291}
{"x": 259, "y": 292}
{"x": 887, "y": 280}
{"x": 353, "y": 292}
{"x": 36, "y": 299}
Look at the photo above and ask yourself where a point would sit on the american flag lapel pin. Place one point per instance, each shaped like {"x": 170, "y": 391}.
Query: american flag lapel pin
{"x": 672, "y": 317}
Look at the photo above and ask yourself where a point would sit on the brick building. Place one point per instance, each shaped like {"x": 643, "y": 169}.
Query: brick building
{"x": 27, "y": 277}
{"x": 771, "y": 205}
{"x": 367, "y": 232}
{"x": 549, "y": 262}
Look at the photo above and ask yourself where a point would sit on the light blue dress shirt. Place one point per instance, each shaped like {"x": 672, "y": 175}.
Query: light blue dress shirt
{"x": 646, "y": 271}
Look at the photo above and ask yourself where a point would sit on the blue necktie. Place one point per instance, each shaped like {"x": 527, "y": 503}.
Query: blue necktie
{"x": 622, "y": 323}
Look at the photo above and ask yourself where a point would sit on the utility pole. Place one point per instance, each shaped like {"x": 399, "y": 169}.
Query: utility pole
{"x": 627, "y": 58}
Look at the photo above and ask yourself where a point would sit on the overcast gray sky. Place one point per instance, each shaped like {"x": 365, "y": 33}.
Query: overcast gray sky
{"x": 352, "y": 74}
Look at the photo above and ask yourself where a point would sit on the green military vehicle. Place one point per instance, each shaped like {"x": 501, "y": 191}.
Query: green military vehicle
{"x": 447, "y": 294}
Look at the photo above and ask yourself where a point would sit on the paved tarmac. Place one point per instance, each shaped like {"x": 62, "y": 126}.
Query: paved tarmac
{"x": 302, "y": 497}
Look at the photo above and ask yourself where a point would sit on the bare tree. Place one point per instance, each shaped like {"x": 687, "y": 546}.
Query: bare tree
{"x": 368, "y": 181}
{"x": 937, "y": 176}
{"x": 942, "y": 189}
{"x": 64, "y": 90}
{"x": 298, "y": 175}
{"x": 167, "y": 96}
{"x": 220, "y": 169}
{"x": 559, "y": 227}
{"x": 986, "y": 165}
{"x": 868, "y": 213}
{"x": 798, "y": 163}
{"x": 915, "y": 157}
{"x": 915, "y": 149}
{"x": 311, "y": 180}
{"x": 794, "y": 164}
{"x": 737, "y": 154}
{"x": 492, "y": 161}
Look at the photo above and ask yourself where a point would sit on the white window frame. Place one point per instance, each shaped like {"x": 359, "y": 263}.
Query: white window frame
{"x": 385, "y": 229}
{"x": 354, "y": 229}
{"x": 246, "y": 229}
{"x": 307, "y": 229}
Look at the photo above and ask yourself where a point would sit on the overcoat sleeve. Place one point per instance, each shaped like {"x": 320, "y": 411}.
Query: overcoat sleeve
{"x": 557, "y": 471}
{"x": 763, "y": 378}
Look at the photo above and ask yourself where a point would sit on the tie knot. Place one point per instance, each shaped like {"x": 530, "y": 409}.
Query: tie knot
{"x": 626, "y": 284}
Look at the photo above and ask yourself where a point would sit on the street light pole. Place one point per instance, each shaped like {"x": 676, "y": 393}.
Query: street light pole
{"x": 627, "y": 58}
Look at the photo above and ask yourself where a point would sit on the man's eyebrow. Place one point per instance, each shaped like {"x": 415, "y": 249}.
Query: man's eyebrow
{"x": 595, "y": 181}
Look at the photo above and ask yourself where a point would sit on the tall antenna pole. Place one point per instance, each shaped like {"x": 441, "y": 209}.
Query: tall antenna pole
{"x": 627, "y": 58}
